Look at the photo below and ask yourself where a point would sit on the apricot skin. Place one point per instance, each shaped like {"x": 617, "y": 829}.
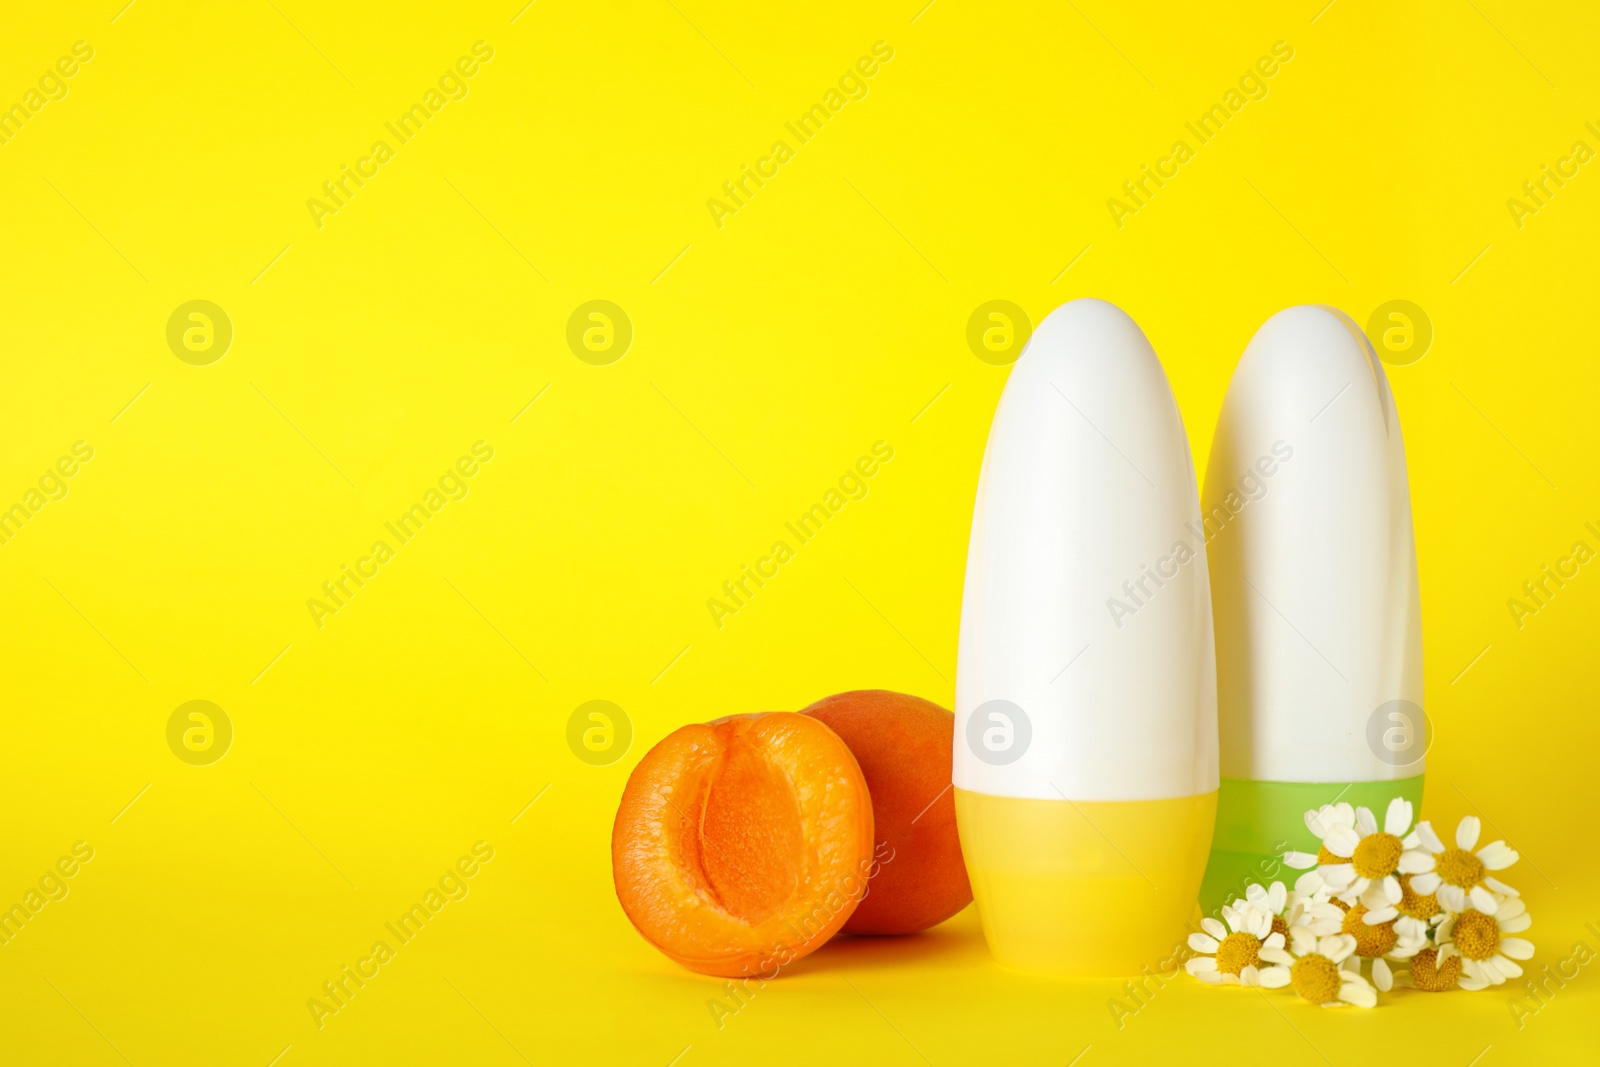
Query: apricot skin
{"x": 744, "y": 844}
{"x": 903, "y": 744}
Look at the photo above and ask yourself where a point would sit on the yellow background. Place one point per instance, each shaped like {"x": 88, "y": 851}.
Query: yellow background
{"x": 767, "y": 357}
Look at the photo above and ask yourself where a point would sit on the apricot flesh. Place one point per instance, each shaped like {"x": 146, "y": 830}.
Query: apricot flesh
{"x": 903, "y": 743}
{"x": 743, "y": 844}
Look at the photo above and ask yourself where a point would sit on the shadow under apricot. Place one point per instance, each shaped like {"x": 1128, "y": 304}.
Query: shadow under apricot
{"x": 956, "y": 939}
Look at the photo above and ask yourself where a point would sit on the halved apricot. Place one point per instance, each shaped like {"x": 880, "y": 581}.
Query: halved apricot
{"x": 743, "y": 844}
{"x": 903, "y": 744}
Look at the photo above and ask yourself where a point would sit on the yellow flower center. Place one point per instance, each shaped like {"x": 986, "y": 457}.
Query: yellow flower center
{"x": 1280, "y": 925}
{"x": 1477, "y": 936}
{"x": 1315, "y": 978}
{"x": 1417, "y": 905}
{"x": 1237, "y": 952}
{"x": 1371, "y": 941}
{"x": 1377, "y": 855}
{"x": 1459, "y": 867}
{"x": 1428, "y": 976}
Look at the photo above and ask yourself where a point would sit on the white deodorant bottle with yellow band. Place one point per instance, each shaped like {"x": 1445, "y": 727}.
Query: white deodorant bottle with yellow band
{"x": 1085, "y": 765}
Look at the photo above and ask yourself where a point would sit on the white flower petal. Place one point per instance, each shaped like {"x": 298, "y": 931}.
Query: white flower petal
{"x": 1409, "y": 927}
{"x": 1451, "y": 896}
{"x": 1467, "y": 833}
{"x": 1337, "y": 947}
{"x": 1407, "y": 947}
{"x": 1430, "y": 840}
{"x": 1483, "y": 900}
{"x": 1397, "y": 820}
{"x": 1425, "y": 883}
{"x": 1273, "y": 940}
{"x": 1391, "y": 889}
{"x": 1338, "y": 875}
{"x": 1310, "y": 882}
{"x": 1321, "y": 820}
{"x": 1382, "y": 977}
{"x": 1300, "y": 860}
{"x": 1500, "y": 887}
{"x": 1507, "y": 968}
{"x": 1518, "y": 948}
{"x": 1510, "y": 909}
{"x": 1382, "y": 915}
{"x": 1361, "y": 995}
{"x": 1498, "y": 855}
{"x": 1273, "y": 977}
{"x": 1231, "y": 917}
{"x": 1214, "y": 928}
{"x": 1203, "y": 943}
{"x": 1415, "y": 861}
{"x": 1248, "y": 974}
{"x": 1213, "y": 977}
{"x": 1366, "y": 822}
{"x": 1277, "y": 955}
{"x": 1514, "y": 925}
{"x": 1470, "y": 983}
{"x": 1341, "y": 841}
{"x": 1200, "y": 965}
{"x": 1326, "y": 909}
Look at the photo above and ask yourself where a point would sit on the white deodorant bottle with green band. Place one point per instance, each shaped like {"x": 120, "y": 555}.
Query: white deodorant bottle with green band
{"x": 1314, "y": 577}
{"x": 1085, "y": 765}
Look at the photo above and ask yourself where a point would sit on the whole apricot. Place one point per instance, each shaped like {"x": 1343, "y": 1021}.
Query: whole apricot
{"x": 903, "y": 746}
{"x": 742, "y": 845}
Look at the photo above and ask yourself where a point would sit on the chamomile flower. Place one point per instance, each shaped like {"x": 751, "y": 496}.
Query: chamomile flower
{"x": 1460, "y": 877}
{"x": 1415, "y": 914}
{"x": 1273, "y": 900}
{"x": 1320, "y": 973}
{"x": 1320, "y": 821}
{"x": 1487, "y": 955}
{"x": 1378, "y": 942}
{"x": 1363, "y": 862}
{"x": 1234, "y": 956}
{"x": 1428, "y": 974}
{"x": 1316, "y": 912}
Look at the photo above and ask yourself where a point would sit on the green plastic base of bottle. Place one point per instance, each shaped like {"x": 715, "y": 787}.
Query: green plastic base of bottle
{"x": 1258, "y": 821}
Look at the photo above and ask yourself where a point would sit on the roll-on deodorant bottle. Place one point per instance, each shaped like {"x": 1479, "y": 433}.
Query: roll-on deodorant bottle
{"x": 1086, "y": 739}
{"x": 1307, "y": 512}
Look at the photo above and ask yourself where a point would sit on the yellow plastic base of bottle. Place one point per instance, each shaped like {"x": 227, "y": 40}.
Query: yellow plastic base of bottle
{"x": 1087, "y": 888}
